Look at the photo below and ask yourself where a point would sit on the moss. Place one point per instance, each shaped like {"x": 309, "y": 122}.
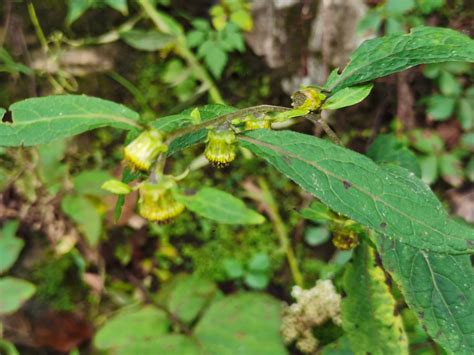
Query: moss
{"x": 58, "y": 282}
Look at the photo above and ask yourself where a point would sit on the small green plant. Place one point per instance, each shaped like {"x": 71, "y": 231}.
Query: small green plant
{"x": 452, "y": 98}
{"x": 375, "y": 207}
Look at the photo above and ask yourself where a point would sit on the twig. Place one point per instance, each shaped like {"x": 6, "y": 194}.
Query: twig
{"x": 316, "y": 119}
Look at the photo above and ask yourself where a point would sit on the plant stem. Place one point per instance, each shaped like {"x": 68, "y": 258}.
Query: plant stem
{"x": 227, "y": 118}
{"x": 281, "y": 231}
{"x": 182, "y": 50}
{"x": 39, "y": 31}
{"x": 316, "y": 119}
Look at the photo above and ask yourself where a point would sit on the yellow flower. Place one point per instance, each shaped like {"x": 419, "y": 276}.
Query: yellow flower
{"x": 345, "y": 239}
{"x": 157, "y": 203}
{"x": 308, "y": 98}
{"x": 142, "y": 152}
{"x": 220, "y": 148}
{"x": 258, "y": 123}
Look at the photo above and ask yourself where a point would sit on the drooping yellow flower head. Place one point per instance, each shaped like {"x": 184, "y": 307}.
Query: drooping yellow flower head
{"x": 157, "y": 203}
{"x": 142, "y": 151}
{"x": 345, "y": 239}
{"x": 220, "y": 148}
{"x": 308, "y": 98}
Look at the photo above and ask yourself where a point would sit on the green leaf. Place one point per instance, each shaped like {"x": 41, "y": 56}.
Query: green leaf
{"x": 256, "y": 280}
{"x": 259, "y": 262}
{"x": 195, "y": 38}
{"x": 147, "y": 40}
{"x": 450, "y": 167}
{"x": 438, "y": 287}
{"x": 76, "y": 8}
{"x": 215, "y": 58}
{"x": 347, "y": 97}
{"x": 119, "y": 5}
{"x": 448, "y": 84}
{"x": 247, "y": 323}
{"x": 440, "y": 107}
{"x": 84, "y": 213}
{"x": 399, "y": 7}
{"x": 189, "y": 296}
{"x": 316, "y": 235}
{"x": 116, "y": 187}
{"x": 370, "y": 22}
{"x": 41, "y": 120}
{"x": 243, "y": 19}
{"x": 427, "y": 141}
{"x": 394, "y": 26}
{"x": 353, "y": 185}
{"x": 50, "y": 168}
{"x": 9, "y": 65}
{"x": 368, "y": 311}
{"x": 465, "y": 112}
{"x": 387, "y": 149}
{"x": 165, "y": 344}
{"x": 8, "y": 348}
{"x": 221, "y": 207}
{"x": 317, "y": 212}
{"x": 131, "y": 327}
{"x": 379, "y": 57}
{"x": 428, "y": 6}
{"x": 10, "y": 245}
{"x": 14, "y": 292}
{"x": 89, "y": 182}
{"x": 429, "y": 169}
{"x": 233, "y": 268}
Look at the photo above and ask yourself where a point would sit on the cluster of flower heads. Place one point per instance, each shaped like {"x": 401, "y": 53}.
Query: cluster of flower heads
{"x": 157, "y": 200}
{"x": 312, "y": 308}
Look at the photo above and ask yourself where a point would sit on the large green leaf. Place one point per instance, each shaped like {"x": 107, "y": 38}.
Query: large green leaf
{"x": 188, "y": 295}
{"x": 438, "y": 287}
{"x": 13, "y": 293}
{"x": 368, "y": 311}
{"x": 82, "y": 211}
{"x": 245, "y": 323}
{"x": 10, "y": 245}
{"x": 221, "y": 207}
{"x": 355, "y": 186}
{"x": 131, "y": 327}
{"x": 386, "y": 55}
{"x": 41, "y": 120}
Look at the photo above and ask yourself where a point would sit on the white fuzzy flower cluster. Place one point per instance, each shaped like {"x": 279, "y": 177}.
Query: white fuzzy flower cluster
{"x": 312, "y": 308}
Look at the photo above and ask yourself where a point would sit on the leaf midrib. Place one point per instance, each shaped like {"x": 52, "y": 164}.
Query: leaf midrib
{"x": 119, "y": 119}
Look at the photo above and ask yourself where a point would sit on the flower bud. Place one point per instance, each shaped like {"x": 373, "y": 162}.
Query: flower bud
{"x": 308, "y": 98}
{"x": 262, "y": 122}
{"x": 220, "y": 148}
{"x": 142, "y": 152}
{"x": 345, "y": 239}
{"x": 157, "y": 203}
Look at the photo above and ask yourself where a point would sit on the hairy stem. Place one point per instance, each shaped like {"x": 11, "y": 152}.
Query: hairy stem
{"x": 227, "y": 118}
{"x": 281, "y": 231}
{"x": 316, "y": 119}
{"x": 39, "y": 31}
